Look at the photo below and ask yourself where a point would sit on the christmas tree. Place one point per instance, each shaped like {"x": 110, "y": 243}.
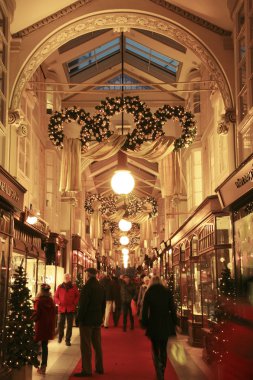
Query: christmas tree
{"x": 226, "y": 296}
{"x": 79, "y": 281}
{"x": 79, "y": 284}
{"x": 223, "y": 312}
{"x": 19, "y": 346}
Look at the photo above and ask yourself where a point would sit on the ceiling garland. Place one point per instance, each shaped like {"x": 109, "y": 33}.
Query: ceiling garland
{"x": 148, "y": 126}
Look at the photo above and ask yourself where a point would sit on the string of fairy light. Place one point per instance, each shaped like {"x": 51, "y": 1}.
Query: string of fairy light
{"x": 148, "y": 126}
{"x": 109, "y": 205}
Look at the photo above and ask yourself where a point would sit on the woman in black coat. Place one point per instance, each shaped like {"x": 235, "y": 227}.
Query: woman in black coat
{"x": 159, "y": 320}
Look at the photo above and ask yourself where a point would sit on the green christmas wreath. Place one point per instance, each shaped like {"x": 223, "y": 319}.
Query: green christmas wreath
{"x": 148, "y": 126}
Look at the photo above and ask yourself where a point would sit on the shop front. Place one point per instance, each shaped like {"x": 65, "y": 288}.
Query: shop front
{"x": 11, "y": 201}
{"x": 56, "y": 259}
{"x": 28, "y": 243}
{"x": 236, "y": 195}
{"x": 202, "y": 248}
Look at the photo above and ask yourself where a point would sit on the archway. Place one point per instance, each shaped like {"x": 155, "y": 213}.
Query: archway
{"x": 121, "y": 21}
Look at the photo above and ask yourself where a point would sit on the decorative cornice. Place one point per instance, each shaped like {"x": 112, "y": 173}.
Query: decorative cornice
{"x": 190, "y": 16}
{"x": 47, "y": 20}
{"x": 125, "y": 19}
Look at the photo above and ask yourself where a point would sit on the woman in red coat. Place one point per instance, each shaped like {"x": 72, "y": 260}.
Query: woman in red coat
{"x": 44, "y": 317}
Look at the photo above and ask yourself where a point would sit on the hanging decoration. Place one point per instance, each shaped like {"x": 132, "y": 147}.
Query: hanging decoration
{"x": 91, "y": 127}
{"x": 134, "y": 205}
{"x": 148, "y": 126}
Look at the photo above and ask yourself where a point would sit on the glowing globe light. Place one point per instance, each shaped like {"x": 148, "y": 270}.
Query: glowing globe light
{"x": 122, "y": 182}
{"x": 124, "y": 240}
{"x": 125, "y": 251}
{"x": 124, "y": 225}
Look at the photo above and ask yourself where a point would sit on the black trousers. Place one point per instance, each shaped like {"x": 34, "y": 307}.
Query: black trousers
{"x": 61, "y": 324}
{"x": 159, "y": 354}
{"x": 91, "y": 336}
{"x": 126, "y": 308}
{"x": 116, "y": 315}
{"x": 44, "y": 352}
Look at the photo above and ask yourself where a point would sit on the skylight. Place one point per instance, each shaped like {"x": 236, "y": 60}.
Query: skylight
{"x": 135, "y": 84}
{"x": 152, "y": 56}
{"x": 94, "y": 56}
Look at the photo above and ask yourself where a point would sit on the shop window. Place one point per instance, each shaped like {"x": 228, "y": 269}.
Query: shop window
{"x": 243, "y": 230}
{"x": 208, "y": 285}
{"x": 196, "y": 292}
{"x": 194, "y": 246}
{"x": 206, "y": 237}
{"x": 223, "y": 230}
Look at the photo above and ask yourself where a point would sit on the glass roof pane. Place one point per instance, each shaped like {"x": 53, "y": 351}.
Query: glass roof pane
{"x": 154, "y": 57}
{"x": 93, "y": 56}
{"x": 135, "y": 84}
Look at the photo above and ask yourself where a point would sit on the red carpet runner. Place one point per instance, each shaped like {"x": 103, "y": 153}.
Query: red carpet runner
{"x": 127, "y": 356}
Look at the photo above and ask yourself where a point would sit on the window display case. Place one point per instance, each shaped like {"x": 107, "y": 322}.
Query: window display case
{"x": 203, "y": 252}
{"x": 31, "y": 272}
{"x": 54, "y": 276}
{"x": 17, "y": 259}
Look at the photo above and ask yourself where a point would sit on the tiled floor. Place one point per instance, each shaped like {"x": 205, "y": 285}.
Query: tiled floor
{"x": 186, "y": 360}
{"x": 61, "y": 359}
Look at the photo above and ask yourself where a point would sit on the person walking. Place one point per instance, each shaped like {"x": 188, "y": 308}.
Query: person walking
{"x": 66, "y": 297}
{"x": 141, "y": 295}
{"x": 106, "y": 282}
{"x": 127, "y": 293}
{"x": 159, "y": 320}
{"x": 91, "y": 311}
{"x": 44, "y": 317}
{"x": 116, "y": 306}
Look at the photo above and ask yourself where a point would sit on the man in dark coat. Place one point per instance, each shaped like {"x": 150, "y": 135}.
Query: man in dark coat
{"x": 127, "y": 293}
{"x": 90, "y": 315}
{"x": 159, "y": 319}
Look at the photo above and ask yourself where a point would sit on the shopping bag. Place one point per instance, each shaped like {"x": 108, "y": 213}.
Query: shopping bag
{"x": 134, "y": 307}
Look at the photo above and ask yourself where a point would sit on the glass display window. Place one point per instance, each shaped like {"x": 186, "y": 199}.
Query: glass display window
{"x": 208, "y": 284}
{"x": 177, "y": 289}
{"x": 54, "y": 276}
{"x": 223, "y": 230}
{"x": 4, "y": 255}
{"x": 194, "y": 246}
{"x": 31, "y": 272}
{"x": 41, "y": 273}
{"x": 184, "y": 289}
{"x": 196, "y": 310}
{"x": 17, "y": 259}
{"x": 243, "y": 236}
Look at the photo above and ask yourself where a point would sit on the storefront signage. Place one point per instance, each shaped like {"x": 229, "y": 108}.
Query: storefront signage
{"x": 237, "y": 185}
{"x": 246, "y": 178}
{"x": 11, "y": 190}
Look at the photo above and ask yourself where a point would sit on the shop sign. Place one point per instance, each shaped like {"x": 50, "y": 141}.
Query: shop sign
{"x": 11, "y": 190}
{"x": 237, "y": 185}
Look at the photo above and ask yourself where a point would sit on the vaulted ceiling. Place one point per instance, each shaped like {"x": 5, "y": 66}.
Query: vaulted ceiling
{"x": 91, "y": 67}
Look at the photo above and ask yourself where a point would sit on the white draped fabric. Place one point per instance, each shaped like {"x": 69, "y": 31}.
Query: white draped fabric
{"x": 73, "y": 163}
{"x": 102, "y": 151}
{"x": 70, "y": 177}
{"x": 96, "y": 229}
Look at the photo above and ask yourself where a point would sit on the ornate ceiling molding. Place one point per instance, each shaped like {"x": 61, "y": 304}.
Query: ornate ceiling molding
{"x": 163, "y": 3}
{"x": 192, "y": 17}
{"x": 121, "y": 20}
{"x": 51, "y": 18}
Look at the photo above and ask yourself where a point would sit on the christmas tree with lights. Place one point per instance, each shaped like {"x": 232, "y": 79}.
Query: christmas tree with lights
{"x": 19, "y": 346}
{"x": 223, "y": 313}
{"x": 79, "y": 284}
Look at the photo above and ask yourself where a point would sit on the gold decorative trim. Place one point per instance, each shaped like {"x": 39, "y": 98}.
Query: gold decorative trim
{"x": 122, "y": 20}
{"x": 47, "y": 20}
{"x": 192, "y": 17}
